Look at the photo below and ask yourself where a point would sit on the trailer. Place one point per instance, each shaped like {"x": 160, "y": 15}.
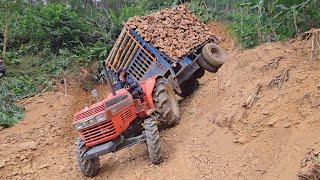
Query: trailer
{"x": 141, "y": 61}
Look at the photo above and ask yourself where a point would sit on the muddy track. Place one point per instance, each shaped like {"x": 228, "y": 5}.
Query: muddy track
{"x": 217, "y": 137}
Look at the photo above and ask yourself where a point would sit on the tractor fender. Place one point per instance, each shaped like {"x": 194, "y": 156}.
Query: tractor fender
{"x": 147, "y": 87}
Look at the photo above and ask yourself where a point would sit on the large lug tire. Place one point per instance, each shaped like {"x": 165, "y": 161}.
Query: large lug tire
{"x": 166, "y": 104}
{"x": 188, "y": 87}
{"x": 88, "y": 167}
{"x": 153, "y": 140}
{"x": 214, "y": 54}
{"x": 205, "y": 65}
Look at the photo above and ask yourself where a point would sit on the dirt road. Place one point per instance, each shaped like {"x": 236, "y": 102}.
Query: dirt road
{"x": 217, "y": 138}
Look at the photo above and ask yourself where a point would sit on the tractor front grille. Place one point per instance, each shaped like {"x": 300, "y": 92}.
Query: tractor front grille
{"x": 90, "y": 112}
{"x": 98, "y": 133}
{"x": 127, "y": 115}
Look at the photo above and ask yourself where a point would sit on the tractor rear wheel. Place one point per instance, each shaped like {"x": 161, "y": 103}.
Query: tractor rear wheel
{"x": 166, "y": 104}
{"x": 188, "y": 87}
{"x": 153, "y": 140}
{"x": 214, "y": 54}
{"x": 88, "y": 167}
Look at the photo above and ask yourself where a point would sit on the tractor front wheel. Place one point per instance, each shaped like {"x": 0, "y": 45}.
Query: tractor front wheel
{"x": 153, "y": 140}
{"x": 166, "y": 104}
{"x": 88, "y": 167}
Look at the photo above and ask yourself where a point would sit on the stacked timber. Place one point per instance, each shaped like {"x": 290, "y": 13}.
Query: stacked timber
{"x": 174, "y": 31}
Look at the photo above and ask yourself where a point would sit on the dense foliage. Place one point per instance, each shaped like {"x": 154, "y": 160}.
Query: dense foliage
{"x": 45, "y": 40}
{"x": 256, "y": 21}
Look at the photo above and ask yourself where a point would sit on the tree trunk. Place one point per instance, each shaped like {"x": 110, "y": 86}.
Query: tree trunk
{"x": 5, "y": 32}
{"x": 30, "y": 3}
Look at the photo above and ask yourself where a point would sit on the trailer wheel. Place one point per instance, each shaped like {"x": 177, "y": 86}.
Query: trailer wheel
{"x": 153, "y": 140}
{"x": 214, "y": 54}
{"x": 199, "y": 73}
{"x": 88, "y": 167}
{"x": 166, "y": 104}
{"x": 203, "y": 64}
{"x": 188, "y": 87}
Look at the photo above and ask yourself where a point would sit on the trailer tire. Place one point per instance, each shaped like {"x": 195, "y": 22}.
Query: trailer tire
{"x": 203, "y": 64}
{"x": 199, "y": 73}
{"x": 153, "y": 140}
{"x": 88, "y": 167}
{"x": 188, "y": 87}
{"x": 214, "y": 54}
{"x": 166, "y": 104}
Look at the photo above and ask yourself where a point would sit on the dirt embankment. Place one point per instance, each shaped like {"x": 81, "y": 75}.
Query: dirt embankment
{"x": 237, "y": 125}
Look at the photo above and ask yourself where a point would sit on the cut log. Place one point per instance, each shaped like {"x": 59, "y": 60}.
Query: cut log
{"x": 125, "y": 50}
{"x": 175, "y": 32}
{"x": 132, "y": 55}
{"x": 120, "y": 50}
{"x": 128, "y": 53}
{"x": 115, "y": 48}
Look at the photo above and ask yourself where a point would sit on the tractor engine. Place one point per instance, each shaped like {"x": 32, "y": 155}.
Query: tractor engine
{"x": 105, "y": 120}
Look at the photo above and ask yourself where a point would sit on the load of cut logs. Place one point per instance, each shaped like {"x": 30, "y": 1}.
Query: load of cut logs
{"x": 173, "y": 31}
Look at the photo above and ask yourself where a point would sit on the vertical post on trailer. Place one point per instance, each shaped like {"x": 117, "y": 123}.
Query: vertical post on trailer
{"x": 107, "y": 75}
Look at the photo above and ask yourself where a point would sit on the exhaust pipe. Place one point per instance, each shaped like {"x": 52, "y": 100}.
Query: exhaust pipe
{"x": 107, "y": 76}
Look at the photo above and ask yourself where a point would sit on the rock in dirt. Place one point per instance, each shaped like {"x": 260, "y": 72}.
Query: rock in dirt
{"x": 44, "y": 166}
{"x": 28, "y": 145}
{"x": 241, "y": 140}
{"x": 44, "y": 114}
{"x": 27, "y": 170}
{"x": 287, "y": 125}
{"x": 272, "y": 121}
{"x": 2, "y": 164}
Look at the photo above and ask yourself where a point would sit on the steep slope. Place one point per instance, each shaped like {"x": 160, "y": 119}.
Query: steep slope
{"x": 217, "y": 138}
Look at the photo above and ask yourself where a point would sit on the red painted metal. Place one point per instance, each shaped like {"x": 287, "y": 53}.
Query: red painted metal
{"x": 118, "y": 116}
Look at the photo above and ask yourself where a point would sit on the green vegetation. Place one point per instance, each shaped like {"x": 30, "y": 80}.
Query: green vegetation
{"x": 257, "y": 21}
{"x": 41, "y": 40}
{"x": 45, "y": 40}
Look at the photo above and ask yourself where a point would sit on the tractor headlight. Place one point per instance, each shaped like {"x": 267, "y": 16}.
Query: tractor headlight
{"x": 89, "y": 122}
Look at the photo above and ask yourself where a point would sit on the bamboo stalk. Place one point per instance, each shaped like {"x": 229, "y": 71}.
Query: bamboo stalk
{"x": 5, "y": 33}
{"x": 125, "y": 59}
{"x": 132, "y": 55}
{"x": 121, "y": 59}
{"x": 115, "y": 48}
{"x": 109, "y": 66}
{"x": 120, "y": 51}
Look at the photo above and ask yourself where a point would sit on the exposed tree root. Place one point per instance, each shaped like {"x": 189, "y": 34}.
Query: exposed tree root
{"x": 310, "y": 166}
{"x": 251, "y": 99}
{"x": 280, "y": 79}
{"x": 314, "y": 35}
{"x": 274, "y": 63}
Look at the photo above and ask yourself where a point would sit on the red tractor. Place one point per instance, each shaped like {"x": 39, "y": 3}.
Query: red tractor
{"x": 120, "y": 121}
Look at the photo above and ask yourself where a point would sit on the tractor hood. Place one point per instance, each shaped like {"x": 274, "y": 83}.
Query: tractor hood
{"x": 110, "y": 104}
